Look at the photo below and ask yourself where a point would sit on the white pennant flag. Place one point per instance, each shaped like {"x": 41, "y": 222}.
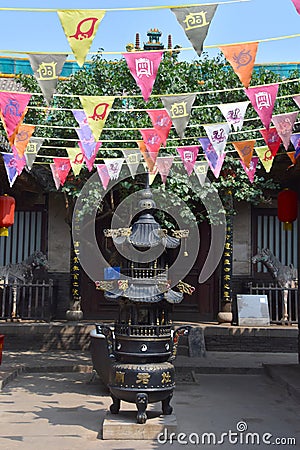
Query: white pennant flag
{"x": 200, "y": 169}
{"x": 114, "y": 166}
{"x": 218, "y": 134}
{"x": 234, "y": 113}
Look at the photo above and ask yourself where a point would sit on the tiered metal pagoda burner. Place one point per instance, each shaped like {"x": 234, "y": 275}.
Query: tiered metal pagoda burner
{"x": 143, "y": 343}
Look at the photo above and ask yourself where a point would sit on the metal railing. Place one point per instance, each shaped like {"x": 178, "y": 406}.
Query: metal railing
{"x": 275, "y": 296}
{"x": 26, "y": 301}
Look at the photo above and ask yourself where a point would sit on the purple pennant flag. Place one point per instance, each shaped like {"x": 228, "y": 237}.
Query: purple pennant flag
{"x": 90, "y": 161}
{"x": 284, "y": 126}
{"x": 295, "y": 139}
{"x": 210, "y": 153}
{"x": 10, "y": 167}
{"x": 263, "y": 100}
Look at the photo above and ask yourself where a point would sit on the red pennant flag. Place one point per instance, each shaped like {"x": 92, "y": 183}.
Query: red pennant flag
{"x": 284, "y": 125}
{"x": 143, "y": 67}
{"x": 152, "y": 141}
{"x": 63, "y": 167}
{"x": 13, "y": 108}
{"x": 161, "y": 121}
{"x": 272, "y": 139}
{"x": 242, "y": 59}
{"x": 188, "y": 156}
{"x": 263, "y": 100}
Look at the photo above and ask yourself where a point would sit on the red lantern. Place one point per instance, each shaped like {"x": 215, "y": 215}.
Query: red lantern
{"x": 7, "y": 213}
{"x": 287, "y": 208}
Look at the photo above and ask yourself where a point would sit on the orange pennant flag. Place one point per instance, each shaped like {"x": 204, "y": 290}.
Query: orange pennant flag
{"x": 292, "y": 157}
{"x": 148, "y": 160}
{"x": 21, "y": 138}
{"x": 242, "y": 59}
{"x": 245, "y": 150}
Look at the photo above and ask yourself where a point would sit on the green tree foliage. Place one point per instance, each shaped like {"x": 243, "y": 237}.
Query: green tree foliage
{"x": 214, "y": 82}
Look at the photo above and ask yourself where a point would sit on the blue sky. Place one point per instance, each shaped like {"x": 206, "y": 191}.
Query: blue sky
{"x": 233, "y": 22}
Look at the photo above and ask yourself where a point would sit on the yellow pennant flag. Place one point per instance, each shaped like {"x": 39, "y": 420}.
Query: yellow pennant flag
{"x": 96, "y": 109}
{"x": 76, "y": 159}
{"x": 265, "y": 156}
{"x": 245, "y": 150}
{"x": 80, "y": 27}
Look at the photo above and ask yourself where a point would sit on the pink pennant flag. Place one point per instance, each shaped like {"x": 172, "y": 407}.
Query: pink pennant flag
{"x": 272, "y": 139}
{"x": 250, "y": 171}
{"x": 188, "y": 156}
{"x": 164, "y": 164}
{"x": 89, "y": 160}
{"x": 63, "y": 167}
{"x": 143, "y": 67}
{"x": 161, "y": 121}
{"x": 297, "y": 5}
{"x": 103, "y": 174}
{"x": 263, "y": 100}
{"x": 284, "y": 125}
{"x": 296, "y": 99}
{"x": 152, "y": 141}
{"x": 55, "y": 176}
{"x": 13, "y": 109}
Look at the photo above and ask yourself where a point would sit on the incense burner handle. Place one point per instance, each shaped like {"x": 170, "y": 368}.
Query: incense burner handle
{"x": 181, "y": 331}
{"x": 108, "y": 334}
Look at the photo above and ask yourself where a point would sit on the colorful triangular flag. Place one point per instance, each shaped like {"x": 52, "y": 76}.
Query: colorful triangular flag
{"x": 272, "y": 139}
{"x": 265, "y": 156}
{"x": 80, "y": 27}
{"x": 96, "y": 109}
{"x": 46, "y": 69}
{"x": 284, "y": 125}
{"x": 214, "y": 160}
{"x": 55, "y": 176}
{"x": 32, "y": 149}
{"x": 250, "y": 171}
{"x": 245, "y": 150}
{"x": 188, "y": 155}
{"x": 114, "y": 166}
{"x": 10, "y": 167}
{"x": 195, "y": 21}
{"x": 297, "y": 5}
{"x": 13, "y": 109}
{"x": 179, "y": 108}
{"x": 19, "y": 161}
{"x": 200, "y": 169}
{"x": 263, "y": 99}
{"x": 63, "y": 167}
{"x": 161, "y": 121}
{"x": 103, "y": 175}
{"x": 76, "y": 159}
{"x": 295, "y": 139}
{"x": 90, "y": 158}
{"x": 152, "y": 141}
{"x": 132, "y": 158}
{"x": 22, "y": 136}
{"x": 164, "y": 164}
{"x": 151, "y": 173}
{"x": 148, "y": 160}
{"x": 218, "y": 135}
{"x": 234, "y": 113}
{"x": 143, "y": 67}
{"x": 242, "y": 58}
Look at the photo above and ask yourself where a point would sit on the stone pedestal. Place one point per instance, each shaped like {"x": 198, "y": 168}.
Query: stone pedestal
{"x": 123, "y": 426}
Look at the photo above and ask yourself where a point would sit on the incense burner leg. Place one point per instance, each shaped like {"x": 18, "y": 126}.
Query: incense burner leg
{"x": 141, "y": 404}
{"x": 115, "y": 407}
{"x": 166, "y": 407}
